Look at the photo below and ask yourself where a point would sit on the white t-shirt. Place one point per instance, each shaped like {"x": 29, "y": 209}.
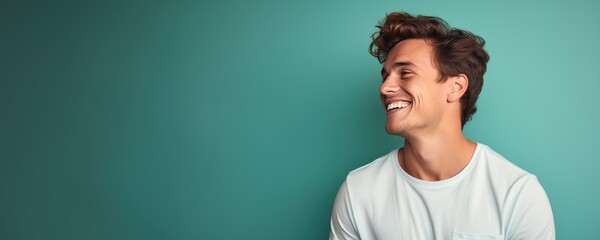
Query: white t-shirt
{"x": 491, "y": 198}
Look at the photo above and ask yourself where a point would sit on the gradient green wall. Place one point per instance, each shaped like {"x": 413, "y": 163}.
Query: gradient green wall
{"x": 239, "y": 120}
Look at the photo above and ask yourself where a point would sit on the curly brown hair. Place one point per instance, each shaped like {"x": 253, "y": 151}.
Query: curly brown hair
{"x": 456, "y": 51}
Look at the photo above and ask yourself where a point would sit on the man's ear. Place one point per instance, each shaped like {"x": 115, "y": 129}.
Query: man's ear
{"x": 458, "y": 87}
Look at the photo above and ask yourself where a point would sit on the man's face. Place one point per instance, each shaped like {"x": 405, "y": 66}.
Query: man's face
{"x": 411, "y": 93}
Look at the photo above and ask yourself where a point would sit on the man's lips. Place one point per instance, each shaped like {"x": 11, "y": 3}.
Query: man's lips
{"x": 397, "y": 104}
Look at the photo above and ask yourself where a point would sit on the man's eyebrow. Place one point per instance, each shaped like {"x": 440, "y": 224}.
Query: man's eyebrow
{"x": 398, "y": 64}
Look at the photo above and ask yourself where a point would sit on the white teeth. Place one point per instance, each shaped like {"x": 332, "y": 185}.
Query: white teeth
{"x": 397, "y": 105}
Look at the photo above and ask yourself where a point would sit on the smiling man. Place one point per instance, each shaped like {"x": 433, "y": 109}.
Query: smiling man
{"x": 440, "y": 185}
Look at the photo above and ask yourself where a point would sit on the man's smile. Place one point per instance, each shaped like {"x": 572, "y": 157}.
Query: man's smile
{"x": 397, "y": 105}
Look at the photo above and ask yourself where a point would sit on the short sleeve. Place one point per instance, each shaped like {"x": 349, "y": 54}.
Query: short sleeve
{"x": 343, "y": 225}
{"x": 532, "y": 215}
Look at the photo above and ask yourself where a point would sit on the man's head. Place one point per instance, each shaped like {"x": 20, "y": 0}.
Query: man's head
{"x": 453, "y": 54}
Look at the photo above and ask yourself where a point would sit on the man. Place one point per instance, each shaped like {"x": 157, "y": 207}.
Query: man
{"x": 440, "y": 185}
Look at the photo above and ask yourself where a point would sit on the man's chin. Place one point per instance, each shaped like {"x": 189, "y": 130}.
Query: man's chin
{"x": 396, "y": 131}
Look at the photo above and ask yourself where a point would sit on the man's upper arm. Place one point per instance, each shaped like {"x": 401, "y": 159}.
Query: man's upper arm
{"x": 343, "y": 225}
{"x": 532, "y": 216}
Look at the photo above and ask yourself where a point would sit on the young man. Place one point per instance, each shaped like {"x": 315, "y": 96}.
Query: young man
{"x": 440, "y": 185}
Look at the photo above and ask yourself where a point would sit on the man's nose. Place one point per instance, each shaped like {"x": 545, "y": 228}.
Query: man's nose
{"x": 389, "y": 86}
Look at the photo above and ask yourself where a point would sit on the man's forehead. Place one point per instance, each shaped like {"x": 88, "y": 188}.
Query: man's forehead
{"x": 415, "y": 51}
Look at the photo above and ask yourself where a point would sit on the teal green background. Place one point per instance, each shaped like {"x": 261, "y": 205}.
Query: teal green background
{"x": 239, "y": 120}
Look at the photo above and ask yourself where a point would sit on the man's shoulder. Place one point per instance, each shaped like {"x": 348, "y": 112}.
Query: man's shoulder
{"x": 522, "y": 197}
{"x": 379, "y": 169}
{"x": 501, "y": 170}
{"x": 499, "y": 162}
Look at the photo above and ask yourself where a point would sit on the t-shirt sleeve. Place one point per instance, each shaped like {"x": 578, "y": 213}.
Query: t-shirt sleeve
{"x": 343, "y": 225}
{"x": 532, "y": 218}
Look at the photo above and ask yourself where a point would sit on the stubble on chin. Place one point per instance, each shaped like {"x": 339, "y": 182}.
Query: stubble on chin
{"x": 395, "y": 130}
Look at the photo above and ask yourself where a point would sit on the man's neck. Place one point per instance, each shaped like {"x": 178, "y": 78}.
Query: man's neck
{"x": 438, "y": 157}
